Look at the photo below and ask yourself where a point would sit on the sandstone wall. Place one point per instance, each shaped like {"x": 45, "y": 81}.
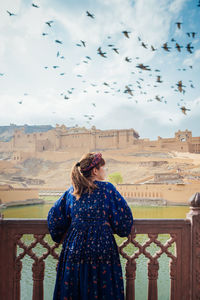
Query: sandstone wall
{"x": 172, "y": 193}
{"x": 9, "y": 195}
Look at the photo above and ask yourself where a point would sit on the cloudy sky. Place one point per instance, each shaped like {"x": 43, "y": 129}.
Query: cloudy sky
{"x": 52, "y": 73}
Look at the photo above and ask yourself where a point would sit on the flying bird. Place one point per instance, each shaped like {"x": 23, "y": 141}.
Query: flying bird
{"x": 141, "y": 66}
{"x": 90, "y": 15}
{"x": 128, "y": 59}
{"x": 158, "y": 79}
{"x": 144, "y": 45}
{"x": 158, "y": 98}
{"x": 101, "y": 53}
{"x": 152, "y": 48}
{"x": 49, "y": 23}
{"x": 10, "y": 14}
{"x": 59, "y": 42}
{"x": 83, "y": 43}
{"x": 126, "y": 33}
{"x": 184, "y": 109}
{"x": 180, "y": 85}
{"x": 116, "y": 50}
{"x": 44, "y": 33}
{"x": 165, "y": 47}
{"x": 189, "y": 47}
{"x": 34, "y": 5}
{"x": 128, "y": 90}
{"x": 178, "y": 24}
{"x": 193, "y": 34}
{"x": 178, "y": 47}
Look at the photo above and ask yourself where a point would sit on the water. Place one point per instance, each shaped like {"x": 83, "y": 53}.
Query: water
{"x": 41, "y": 211}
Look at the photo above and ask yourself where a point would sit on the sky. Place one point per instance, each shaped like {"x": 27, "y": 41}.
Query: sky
{"x": 53, "y": 73}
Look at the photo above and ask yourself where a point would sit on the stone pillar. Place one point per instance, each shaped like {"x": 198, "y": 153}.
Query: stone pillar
{"x": 194, "y": 217}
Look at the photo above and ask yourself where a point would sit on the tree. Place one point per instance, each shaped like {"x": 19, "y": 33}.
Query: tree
{"x": 115, "y": 178}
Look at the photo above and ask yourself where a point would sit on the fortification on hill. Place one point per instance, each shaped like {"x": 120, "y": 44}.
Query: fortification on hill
{"x": 61, "y": 139}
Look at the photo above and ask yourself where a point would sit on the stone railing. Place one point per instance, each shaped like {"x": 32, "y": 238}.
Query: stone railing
{"x": 184, "y": 236}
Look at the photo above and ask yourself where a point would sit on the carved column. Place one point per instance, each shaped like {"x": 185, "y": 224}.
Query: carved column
{"x": 194, "y": 217}
{"x": 38, "y": 279}
{"x": 153, "y": 268}
{"x": 130, "y": 280}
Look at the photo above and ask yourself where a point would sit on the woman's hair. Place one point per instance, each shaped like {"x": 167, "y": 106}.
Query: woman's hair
{"x": 81, "y": 173}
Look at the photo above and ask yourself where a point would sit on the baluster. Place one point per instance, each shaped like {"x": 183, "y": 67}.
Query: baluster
{"x": 173, "y": 268}
{"x": 38, "y": 279}
{"x": 130, "y": 280}
{"x": 194, "y": 217}
{"x": 18, "y": 269}
{"x": 153, "y": 268}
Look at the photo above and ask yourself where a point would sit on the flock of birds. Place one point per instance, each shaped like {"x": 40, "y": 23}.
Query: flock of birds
{"x": 112, "y": 87}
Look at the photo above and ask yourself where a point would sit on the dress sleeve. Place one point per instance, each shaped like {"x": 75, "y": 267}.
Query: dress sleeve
{"x": 59, "y": 219}
{"x": 120, "y": 215}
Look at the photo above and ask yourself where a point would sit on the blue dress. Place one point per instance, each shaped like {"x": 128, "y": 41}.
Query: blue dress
{"x": 89, "y": 264}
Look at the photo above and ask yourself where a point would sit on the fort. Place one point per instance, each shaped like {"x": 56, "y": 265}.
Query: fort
{"x": 152, "y": 173}
{"x": 61, "y": 139}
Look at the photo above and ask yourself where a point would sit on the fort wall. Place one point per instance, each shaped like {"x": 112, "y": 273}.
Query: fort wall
{"x": 172, "y": 193}
{"x": 10, "y": 195}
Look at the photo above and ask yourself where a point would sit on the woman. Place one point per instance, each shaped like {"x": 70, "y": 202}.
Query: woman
{"x": 86, "y": 216}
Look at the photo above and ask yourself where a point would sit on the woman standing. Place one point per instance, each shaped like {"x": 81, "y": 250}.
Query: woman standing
{"x": 86, "y": 216}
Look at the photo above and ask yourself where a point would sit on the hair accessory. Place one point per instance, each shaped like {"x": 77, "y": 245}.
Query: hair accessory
{"x": 78, "y": 164}
{"x": 96, "y": 159}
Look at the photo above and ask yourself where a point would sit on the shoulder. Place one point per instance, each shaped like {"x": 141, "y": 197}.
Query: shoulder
{"x": 106, "y": 185}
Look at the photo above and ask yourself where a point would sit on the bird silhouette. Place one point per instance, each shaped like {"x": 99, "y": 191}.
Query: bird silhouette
{"x": 44, "y": 33}
{"x": 180, "y": 85}
{"x": 178, "y": 24}
{"x": 101, "y": 53}
{"x": 141, "y": 66}
{"x": 193, "y": 34}
{"x": 184, "y": 109}
{"x": 126, "y": 33}
{"x": 189, "y": 47}
{"x": 152, "y": 48}
{"x": 128, "y": 90}
{"x": 49, "y": 23}
{"x": 34, "y": 5}
{"x": 90, "y": 15}
{"x": 58, "y": 41}
{"x": 116, "y": 50}
{"x": 158, "y": 98}
{"x": 188, "y": 34}
{"x": 165, "y": 47}
{"x": 83, "y": 43}
{"x": 10, "y": 14}
{"x": 158, "y": 79}
{"x": 144, "y": 45}
{"x": 128, "y": 59}
{"x": 178, "y": 47}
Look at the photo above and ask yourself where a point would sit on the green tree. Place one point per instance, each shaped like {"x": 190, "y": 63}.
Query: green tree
{"x": 115, "y": 178}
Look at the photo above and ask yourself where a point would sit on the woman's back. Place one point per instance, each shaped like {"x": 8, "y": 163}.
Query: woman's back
{"x": 89, "y": 265}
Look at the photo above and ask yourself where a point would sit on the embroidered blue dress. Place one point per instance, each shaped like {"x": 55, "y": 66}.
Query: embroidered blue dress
{"x": 89, "y": 265}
